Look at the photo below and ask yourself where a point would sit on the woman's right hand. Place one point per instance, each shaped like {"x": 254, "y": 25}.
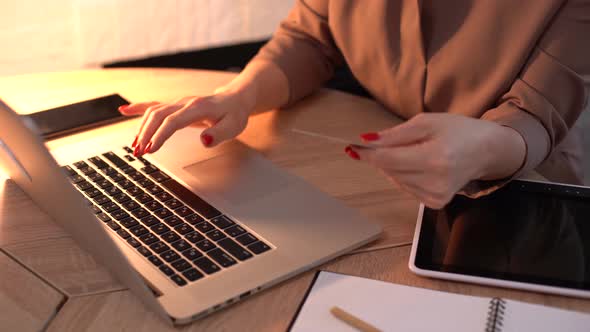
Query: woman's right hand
{"x": 224, "y": 113}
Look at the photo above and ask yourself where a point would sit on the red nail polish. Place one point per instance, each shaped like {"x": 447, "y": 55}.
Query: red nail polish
{"x": 123, "y": 107}
{"x": 148, "y": 148}
{"x": 206, "y": 139}
{"x": 136, "y": 151}
{"x": 134, "y": 142}
{"x": 351, "y": 153}
{"x": 370, "y": 137}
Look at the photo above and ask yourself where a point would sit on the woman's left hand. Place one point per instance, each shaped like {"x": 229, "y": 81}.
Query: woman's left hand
{"x": 434, "y": 155}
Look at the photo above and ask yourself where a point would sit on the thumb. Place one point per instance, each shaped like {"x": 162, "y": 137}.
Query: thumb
{"x": 230, "y": 126}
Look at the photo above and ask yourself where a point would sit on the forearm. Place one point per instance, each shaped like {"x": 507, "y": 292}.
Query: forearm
{"x": 261, "y": 86}
{"x": 504, "y": 154}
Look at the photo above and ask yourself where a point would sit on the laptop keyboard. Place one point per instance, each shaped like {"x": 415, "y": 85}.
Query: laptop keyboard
{"x": 168, "y": 224}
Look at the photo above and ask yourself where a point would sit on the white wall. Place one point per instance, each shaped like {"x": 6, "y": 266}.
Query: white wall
{"x": 53, "y": 35}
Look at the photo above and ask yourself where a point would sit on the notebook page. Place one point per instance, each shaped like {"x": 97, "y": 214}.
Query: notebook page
{"x": 521, "y": 316}
{"x": 388, "y": 306}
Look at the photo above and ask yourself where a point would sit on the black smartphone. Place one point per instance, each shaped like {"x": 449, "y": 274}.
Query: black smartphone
{"x": 80, "y": 116}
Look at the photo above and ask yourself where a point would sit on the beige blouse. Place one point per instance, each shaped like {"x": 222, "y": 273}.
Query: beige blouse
{"x": 517, "y": 63}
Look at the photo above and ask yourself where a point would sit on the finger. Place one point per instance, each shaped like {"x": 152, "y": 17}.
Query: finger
{"x": 152, "y": 122}
{"x": 414, "y": 130}
{"x": 230, "y": 126}
{"x": 412, "y": 158}
{"x": 137, "y": 108}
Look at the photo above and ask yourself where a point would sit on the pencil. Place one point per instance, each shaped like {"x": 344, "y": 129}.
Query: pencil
{"x": 353, "y": 321}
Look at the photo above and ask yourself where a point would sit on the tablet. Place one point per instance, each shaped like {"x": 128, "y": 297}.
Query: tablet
{"x": 527, "y": 235}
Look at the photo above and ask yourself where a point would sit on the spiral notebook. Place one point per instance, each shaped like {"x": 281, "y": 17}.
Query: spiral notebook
{"x": 391, "y": 307}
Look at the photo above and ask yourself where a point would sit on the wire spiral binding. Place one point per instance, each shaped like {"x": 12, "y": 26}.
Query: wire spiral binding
{"x": 496, "y": 312}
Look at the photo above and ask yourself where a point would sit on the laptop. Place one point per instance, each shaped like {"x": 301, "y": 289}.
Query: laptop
{"x": 189, "y": 230}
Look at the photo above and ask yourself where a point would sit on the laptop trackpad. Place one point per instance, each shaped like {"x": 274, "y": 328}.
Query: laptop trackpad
{"x": 237, "y": 177}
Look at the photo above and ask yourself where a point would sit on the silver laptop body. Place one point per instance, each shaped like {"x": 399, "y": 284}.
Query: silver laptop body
{"x": 302, "y": 226}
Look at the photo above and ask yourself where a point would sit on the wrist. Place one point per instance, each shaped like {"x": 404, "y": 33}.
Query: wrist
{"x": 243, "y": 94}
{"x": 504, "y": 155}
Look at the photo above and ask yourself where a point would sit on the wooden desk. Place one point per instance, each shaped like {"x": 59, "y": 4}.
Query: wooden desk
{"x": 47, "y": 280}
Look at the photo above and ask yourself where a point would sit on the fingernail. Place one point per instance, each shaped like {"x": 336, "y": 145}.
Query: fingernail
{"x": 136, "y": 151}
{"x": 123, "y": 107}
{"x": 148, "y": 148}
{"x": 206, "y": 139}
{"x": 351, "y": 153}
{"x": 134, "y": 142}
{"x": 370, "y": 137}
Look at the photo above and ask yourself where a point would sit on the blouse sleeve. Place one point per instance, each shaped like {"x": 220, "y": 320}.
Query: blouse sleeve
{"x": 303, "y": 48}
{"x": 549, "y": 94}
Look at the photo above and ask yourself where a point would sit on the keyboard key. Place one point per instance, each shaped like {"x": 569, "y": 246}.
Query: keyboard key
{"x": 144, "y": 251}
{"x": 113, "y": 225}
{"x": 183, "y": 228}
{"x": 194, "y": 237}
{"x": 103, "y": 217}
{"x": 246, "y": 239}
{"x": 129, "y": 222}
{"x": 69, "y": 171}
{"x": 113, "y": 191}
{"x": 169, "y": 256}
{"x": 76, "y": 179}
{"x": 170, "y": 237}
{"x": 104, "y": 184}
{"x": 191, "y": 199}
{"x": 116, "y": 160}
{"x": 163, "y": 196}
{"x": 117, "y": 177}
{"x": 96, "y": 209}
{"x": 221, "y": 257}
{"x": 95, "y": 177}
{"x": 184, "y": 211}
{"x": 149, "y": 221}
{"x": 160, "y": 228}
{"x": 119, "y": 214}
{"x": 192, "y": 254}
{"x": 155, "y": 260}
{"x": 159, "y": 176}
{"x": 136, "y": 176}
{"x": 99, "y": 163}
{"x": 234, "y": 231}
{"x": 93, "y": 192}
{"x": 194, "y": 219}
{"x": 87, "y": 170}
{"x": 173, "y": 221}
{"x": 123, "y": 233}
{"x": 128, "y": 170}
{"x": 108, "y": 170}
{"x": 125, "y": 184}
{"x": 110, "y": 207}
{"x": 148, "y": 238}
{"x": 215, "y": 235}
{"x": 204, "y": 227}
{"x": 101, "y": 200}
{"x": 181, "y": 265}
{"x": 258, "y": 247}
{"x": 222, "y": 222}
{"x": 133, "y": 242}
{"x": 206, "y": 265}
{"x": 130, "y": 205}
{"x": 145, "y": 183}
{"x": 84, "y": 185}
{"x": 144, "y": 198}
{"x": 153, "y": 205}
{"x": 178, "y": 280}
{"x": 128, "y": 149}
{"x": 134, "y": 191}
{"x": 173, "y": 204}
{"x": 206, "y": 245}
{"x": 163, "y": 213}
{"x": 149, "y": 169}
{"x": 140, "y": 213}
{"x": 143, "y": 160}
{"x": 181, "y": 245}
{"x": 129, "y": 158}
{"x": 166, "y": 269}
{"x": 121, "y": 198}
{"x": 80, "y": 164}
{"x": 154, "y": 189}
{"x": 192, "y": 274}
{"x": 139, "y": 230}
{"x": 159, "y": 247}
{"x": 235, "y": 249}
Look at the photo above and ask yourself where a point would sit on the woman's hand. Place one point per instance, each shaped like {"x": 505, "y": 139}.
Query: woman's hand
{"x": 433, "y": 156}
{"x": 225, "y": 114}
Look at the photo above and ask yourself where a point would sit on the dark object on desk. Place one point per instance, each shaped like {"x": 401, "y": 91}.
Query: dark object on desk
{"x": 80, "y": 116}
{"x": 233, "y": 58}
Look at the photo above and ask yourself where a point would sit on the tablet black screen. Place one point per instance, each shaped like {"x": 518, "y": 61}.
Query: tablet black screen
{"x": 526, "y": 231}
